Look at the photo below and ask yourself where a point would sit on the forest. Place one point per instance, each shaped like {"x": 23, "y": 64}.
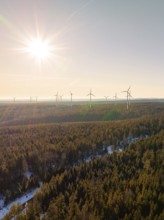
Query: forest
{"x": 39, "y": 113}
{"x": 54, "y": 146}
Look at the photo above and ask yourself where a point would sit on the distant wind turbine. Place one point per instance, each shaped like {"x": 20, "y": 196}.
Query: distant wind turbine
{"x": 56, "y": 97}
{"x": 14, "y": 98}
{"x": 106, "y": 98}
{"x": 71, "y": 97}
{"x": 90, "y": 94}
{"x": 128, "y": 95}
{"x": 115, "y": 96}
{"x": 36, "y": 98}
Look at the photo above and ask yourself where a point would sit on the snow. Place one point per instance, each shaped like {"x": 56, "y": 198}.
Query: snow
{"x": 21, "y": 200}
{"x": 88, "y": 159}
{"x": 109, "y": 149}
{"x": 1, "y": 202}
{"x": 98, "y": 155}
{"x": 132, "y": 139}
{"x": 28, "y": 174}
{"x": 91, "y": 157}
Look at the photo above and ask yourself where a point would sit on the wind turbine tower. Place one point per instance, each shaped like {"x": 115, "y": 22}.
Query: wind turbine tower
{"x": 71, "y": 97}
{"x": 115, "y": 96}
{"x": 56, "y": 97}
{"x": 106, "y": 98}
{"x": 90, "y": 94}
{"x": 128, "y": 95}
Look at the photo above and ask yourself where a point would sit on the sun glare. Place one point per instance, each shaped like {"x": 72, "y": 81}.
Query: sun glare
{"x": 39, "y": 49}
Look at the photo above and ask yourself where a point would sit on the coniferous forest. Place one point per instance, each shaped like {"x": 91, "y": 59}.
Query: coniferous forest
{"x": 65, "y": 152}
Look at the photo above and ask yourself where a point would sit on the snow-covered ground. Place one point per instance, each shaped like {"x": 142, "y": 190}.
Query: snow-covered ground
{"x": 109, "y": 149}
{"x": 21, "y": 200}
{"x": 88, "y": 159}
{"x": 1, "y": 202}
{"x": 28, "y": 174}
{"x": 91, "y": 157}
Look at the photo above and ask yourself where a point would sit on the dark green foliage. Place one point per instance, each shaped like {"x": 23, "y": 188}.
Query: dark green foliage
{"x": 112, "y": 115}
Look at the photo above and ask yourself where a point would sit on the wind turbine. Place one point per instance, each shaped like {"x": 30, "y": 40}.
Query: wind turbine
{"x": 90, "y": 94}
{"x": 128, "y": 95}
{"x": 71, "y": 97}
{"x": 36, "y": 98}
{"x": 115, "y": 96}
{"x": 56, "y": 97}
{"x": 106, "y": 98}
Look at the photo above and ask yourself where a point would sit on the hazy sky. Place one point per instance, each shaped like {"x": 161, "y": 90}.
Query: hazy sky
{"x": 105, "y": 45}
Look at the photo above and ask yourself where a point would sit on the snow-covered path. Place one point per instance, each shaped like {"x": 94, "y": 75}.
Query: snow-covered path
{"x": 21, "y": 200}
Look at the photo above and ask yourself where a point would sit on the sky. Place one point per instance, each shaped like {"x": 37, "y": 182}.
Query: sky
{"x": 103, "y": 45}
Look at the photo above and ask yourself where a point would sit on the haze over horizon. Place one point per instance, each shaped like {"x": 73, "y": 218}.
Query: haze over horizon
{"x": 105, "y": 45}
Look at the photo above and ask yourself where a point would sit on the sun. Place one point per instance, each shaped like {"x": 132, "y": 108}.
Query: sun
{"x": 39, "y": 49}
